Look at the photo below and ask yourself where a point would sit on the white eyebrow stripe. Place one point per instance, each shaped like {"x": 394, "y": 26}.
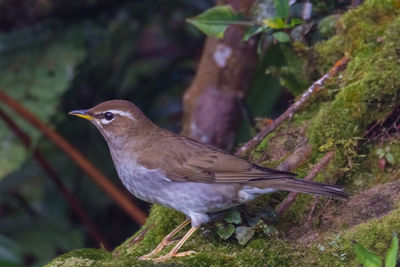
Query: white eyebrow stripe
{"x": 122, "y": 113}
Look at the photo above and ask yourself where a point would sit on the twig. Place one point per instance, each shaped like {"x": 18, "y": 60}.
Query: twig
{"x": 310, "y": 176}
{"x": 72, "y": 201}
{"x": 296, "y": 158}
{"x": 123, "y": 201}
{"x": 311, "y": 213}
{"x": 340, "y": 65}
{"x": 135, "y": 240}
{"x": 385, "y": 127}
{"x": 141, "y": 235}
{"x": 324, "y": 207}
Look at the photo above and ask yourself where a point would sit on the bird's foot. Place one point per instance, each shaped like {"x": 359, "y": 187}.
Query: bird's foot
{"x": 171, "y": 255}
{"x": 166, "y": 241}
{"x": 151, "y": 255}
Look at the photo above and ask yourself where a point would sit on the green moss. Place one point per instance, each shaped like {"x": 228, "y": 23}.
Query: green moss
{"x": 359, "y": 31}
{"x": 375, "y": 235}
{"x": 293, "y": 75}
{"x": 81, "y": 257}
{"x": 369, "y": 172}
{"x": 330, "y": 51}
{"x": 394, "y": 146}
{"x": 370, "y": 85}
{"x": 258, "y": 151}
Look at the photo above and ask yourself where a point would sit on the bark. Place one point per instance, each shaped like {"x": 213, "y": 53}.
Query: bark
{"x": 211, "y": 104}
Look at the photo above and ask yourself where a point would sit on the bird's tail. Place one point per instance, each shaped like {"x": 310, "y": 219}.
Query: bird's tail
{"x": 302, "y": 186}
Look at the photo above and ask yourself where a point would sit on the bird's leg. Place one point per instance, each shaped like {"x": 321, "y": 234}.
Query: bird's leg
{"x": 174, "y": 251}
{"x": 166, "y": 240}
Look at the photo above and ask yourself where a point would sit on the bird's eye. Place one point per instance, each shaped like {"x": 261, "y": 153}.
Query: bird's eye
{"x": 109, "y": 116}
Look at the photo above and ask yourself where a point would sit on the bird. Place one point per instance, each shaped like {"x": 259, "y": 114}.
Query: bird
{"x": 196, "y": 179}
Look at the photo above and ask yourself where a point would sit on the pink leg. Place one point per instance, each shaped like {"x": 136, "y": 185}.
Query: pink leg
{"x": 174, "y": 251}
{"x": 166, "y": 241}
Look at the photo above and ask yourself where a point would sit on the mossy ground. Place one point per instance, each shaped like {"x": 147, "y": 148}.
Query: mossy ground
{"x": 362, "y": 94}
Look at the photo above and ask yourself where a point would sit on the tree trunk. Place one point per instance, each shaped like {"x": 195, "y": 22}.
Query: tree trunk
{"x": 211, "y": 104}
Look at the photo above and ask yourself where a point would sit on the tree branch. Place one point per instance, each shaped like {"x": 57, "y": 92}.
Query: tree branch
{"x": 315, "y": 87}
{"x": 311, "y": 213}
{"x": 298, "y": 157}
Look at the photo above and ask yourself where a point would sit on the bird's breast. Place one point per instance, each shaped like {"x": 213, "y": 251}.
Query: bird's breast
{"x": 192, "y": 198}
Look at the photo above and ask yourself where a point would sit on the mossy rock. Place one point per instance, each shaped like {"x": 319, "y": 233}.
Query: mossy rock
{"x": 362, "y": 94}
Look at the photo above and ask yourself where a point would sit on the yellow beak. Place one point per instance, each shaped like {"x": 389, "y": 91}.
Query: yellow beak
{"x": 81, "y": 113}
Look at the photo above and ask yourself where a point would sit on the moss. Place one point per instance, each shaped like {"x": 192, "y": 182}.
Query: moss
{"x": 359, "y": 31}
{"x": 369, "y": 173}
{"x": 81, "y": 257}
{"x": 375, "y": 235}
{"x": 293, "y": 75}
{"x": 369, "y": 87}
{"x": 330, "y": 51}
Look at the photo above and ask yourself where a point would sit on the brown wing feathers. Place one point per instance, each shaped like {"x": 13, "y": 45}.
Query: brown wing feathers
{"x": 196, "y": 162}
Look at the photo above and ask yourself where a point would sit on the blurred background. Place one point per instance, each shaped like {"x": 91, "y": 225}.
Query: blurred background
{"x": 56, "y": 56}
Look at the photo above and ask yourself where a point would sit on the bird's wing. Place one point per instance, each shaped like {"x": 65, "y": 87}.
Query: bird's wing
{"x": 185, "y": 160}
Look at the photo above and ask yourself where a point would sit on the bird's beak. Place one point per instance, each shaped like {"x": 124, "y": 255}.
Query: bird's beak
{"x": 83, "y": 113}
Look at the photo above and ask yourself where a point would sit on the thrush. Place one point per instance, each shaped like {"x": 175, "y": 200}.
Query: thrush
{"x": 158, "y": 166}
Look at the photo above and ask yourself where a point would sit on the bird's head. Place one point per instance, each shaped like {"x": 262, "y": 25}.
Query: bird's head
{"x": 117, "y": 120}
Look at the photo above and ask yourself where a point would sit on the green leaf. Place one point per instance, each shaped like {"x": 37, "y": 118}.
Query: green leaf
{"x": 254, "y": 30}
{"x": 260, "y": 44}
{"x": 380, "y": 152}
{"x": 367, "y": 258}
{"x": 226, "y": 231}
{"x": 282, "y": 37}
{"x": 243, "y": 234}
{"x": 275, "y": 23}
{"x": 295, "y": 21}
{"x": 233, "y": 216}
{"x": 269, "y": 230}
{"x": 389, "y": 157}
{"x": 36, "y": 71}
{"x": 215, "y": 20}
{"x": 282, "y": 8}
{"x": 391, "y": 255}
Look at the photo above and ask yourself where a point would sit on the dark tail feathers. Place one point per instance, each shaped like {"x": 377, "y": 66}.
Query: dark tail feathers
{"x": 303, "y": 186}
